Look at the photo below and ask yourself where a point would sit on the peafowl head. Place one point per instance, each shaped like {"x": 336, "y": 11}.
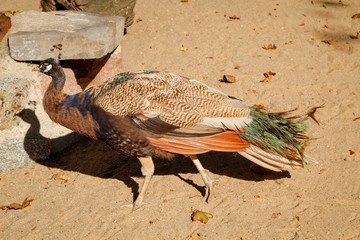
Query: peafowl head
{"x": 49, "y": 67}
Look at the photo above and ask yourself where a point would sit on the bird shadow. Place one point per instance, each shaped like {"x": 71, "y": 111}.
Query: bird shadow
{"x": 95, "y": 158}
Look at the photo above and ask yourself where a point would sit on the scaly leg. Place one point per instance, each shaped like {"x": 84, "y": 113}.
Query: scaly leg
{"x": 147, "y": 169}
{"x": 207, "y": 180}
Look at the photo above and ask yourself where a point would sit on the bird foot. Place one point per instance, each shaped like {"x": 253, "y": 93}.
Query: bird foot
{"x": 209, "y": 183}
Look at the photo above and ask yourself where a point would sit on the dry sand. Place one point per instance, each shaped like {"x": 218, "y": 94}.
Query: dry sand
{"x": 321, "y": 201}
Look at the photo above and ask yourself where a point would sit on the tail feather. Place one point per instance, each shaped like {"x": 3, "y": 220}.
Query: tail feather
{"x": 276, "y": 138}
{"x": 269, "y": 160}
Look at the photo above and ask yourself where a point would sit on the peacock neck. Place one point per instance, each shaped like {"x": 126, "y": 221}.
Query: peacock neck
{"x": 58, "y": 80}
{"x": 70, "y": 111}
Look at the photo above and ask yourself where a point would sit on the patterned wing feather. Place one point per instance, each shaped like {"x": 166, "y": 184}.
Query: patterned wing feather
{"x": 171, "y": 100}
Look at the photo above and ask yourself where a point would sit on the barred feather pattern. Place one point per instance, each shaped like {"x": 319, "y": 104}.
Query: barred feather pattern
{"x": 176, "y": 100}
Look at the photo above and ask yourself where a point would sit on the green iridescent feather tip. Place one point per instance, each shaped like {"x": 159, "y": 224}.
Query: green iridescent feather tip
{"x": 278, "y": 133}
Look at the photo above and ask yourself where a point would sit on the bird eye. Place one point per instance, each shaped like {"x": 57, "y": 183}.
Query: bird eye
{"x": 46, "y": 67}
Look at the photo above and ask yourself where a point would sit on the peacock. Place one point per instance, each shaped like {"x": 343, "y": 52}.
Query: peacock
{"x": 150, "y": 114}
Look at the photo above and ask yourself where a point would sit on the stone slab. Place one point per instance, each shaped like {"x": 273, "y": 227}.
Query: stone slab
{"x": 76, "y": 35}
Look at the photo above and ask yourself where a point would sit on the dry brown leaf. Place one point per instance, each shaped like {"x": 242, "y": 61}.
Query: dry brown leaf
{"x": 11, "y": 12}
{"x": 270, "y": 46}
{"x": 268, "y": 76}
{"x": 297, "y": 218}
{"x": 356, "y": 16}
{"x": 229, "y": 79}
{"x": 267, "y": 79}
{"x": 302, "y": 24}
{"x": 234, "y": 17}
{"x": 327, "y": 42}
{"x": 275, "y": 215}
{"x": 356, "y": 119}
{"x": 326, "y": 26}
{"x": 258, "y": 106}
{"x": 17, "y": 206}
{"x": 201, "y": 216}
{"x": 322, "y": 171}
{"x": 351, "y": 152}
{"x": 138, "y": 20}
{"x": 183, "y": 48}
{"x": 256, "y": 196}
{"x": 237, "y": 67}
{"x": 210, "y": 57}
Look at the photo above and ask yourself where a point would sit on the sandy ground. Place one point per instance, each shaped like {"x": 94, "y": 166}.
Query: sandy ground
{"x": 78, "y": 193}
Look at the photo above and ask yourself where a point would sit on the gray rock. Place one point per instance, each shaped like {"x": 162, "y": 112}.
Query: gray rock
{"x": 13, "y": 155}
{"x": 123, "y": 8}
{"x": 79, "y": 35}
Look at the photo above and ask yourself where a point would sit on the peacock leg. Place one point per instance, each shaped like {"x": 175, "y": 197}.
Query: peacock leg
{"x": 147, "y": 169}
{"x": 207, "y": 180}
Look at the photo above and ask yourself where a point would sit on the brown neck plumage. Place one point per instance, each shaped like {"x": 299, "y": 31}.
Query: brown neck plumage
{"x": 70, "y": 111}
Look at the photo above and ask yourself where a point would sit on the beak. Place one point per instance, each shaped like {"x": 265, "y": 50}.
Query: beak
{"x": 36, "y": 69}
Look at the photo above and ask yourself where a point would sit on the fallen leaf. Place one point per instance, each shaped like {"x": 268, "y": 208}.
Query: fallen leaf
{"x": 183, "y": 48}
{"x": 297, "y": 218}
{"x": 237, "y": 67}
{"x": 243, "y": 238}
{"x": 268, "y": 76}
{"x": 267, "y": 79}
{"x": 326, "y": 26}
{"x": 229, "y": 79}
{"x": 258, "y": 106}
{"x": 327, "y": 42}
{"x": 234, "y": 17}
{"x": 210, "y": 57}
{"x": 356, "y": 16}
{"x": 256, "y": 196}
{"x": 11, "y": 12}
{"x": 302, "y": 24}
{"x": 201, "y": 216}
{"x": 184, "y": 1}
{"x": 111, "y": 21}
{"x": 275, "y": 215}
{"x": 356, "y": 119}
{"x": 322, "y": 171}
{"x": 138, "y": 20}
{"x": 194, "y": 236}
{"x": 17, "y": 206}
{"x": 270, "y": 46}
{"x": 351, "y": 152}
